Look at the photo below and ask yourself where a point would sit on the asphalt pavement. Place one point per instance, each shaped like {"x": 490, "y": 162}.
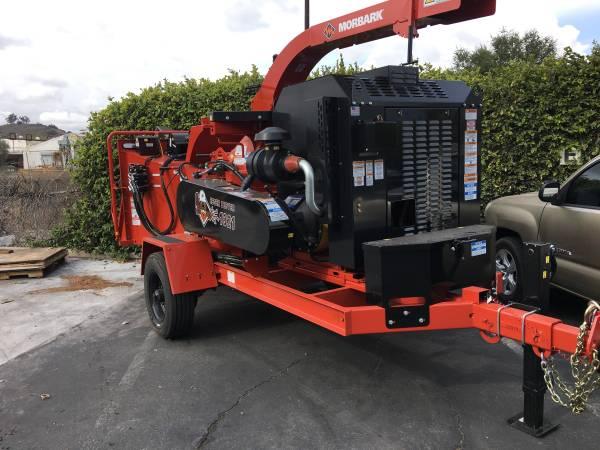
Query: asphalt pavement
{"x": 252, "y": 376}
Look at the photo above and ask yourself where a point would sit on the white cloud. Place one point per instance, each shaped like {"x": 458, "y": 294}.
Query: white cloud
{"x": 74, "y": 55}
{"x": 72, "y": 120}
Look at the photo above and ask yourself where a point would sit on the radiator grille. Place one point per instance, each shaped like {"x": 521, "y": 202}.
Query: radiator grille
{"x": 382, "y": 87}
{"x": 427, "y": 172}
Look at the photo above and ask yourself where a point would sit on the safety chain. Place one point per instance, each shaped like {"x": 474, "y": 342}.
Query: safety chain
{"x": 584, "y": 372}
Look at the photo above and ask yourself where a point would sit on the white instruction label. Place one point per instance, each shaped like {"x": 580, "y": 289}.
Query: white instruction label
{"x": 276, "y": 214}
{"x": 471, "y": 151}
{"x": 369, "y": 173}
{"x": 355, "y": 111}
{"x": 135, "y": 218}
{"x": 379, "y": 169}
{"x": 231, "y": 277}
{"x": 470, "y": 114}
{"x": 358, "y": 172}
{"x": 470, "y": 137}
{"x": 470, "y": 169}
{"x": 478, "y": 248}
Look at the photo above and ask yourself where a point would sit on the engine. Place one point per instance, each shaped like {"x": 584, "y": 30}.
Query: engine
{"x": 340, "y": 161}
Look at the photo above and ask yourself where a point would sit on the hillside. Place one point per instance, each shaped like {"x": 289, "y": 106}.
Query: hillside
{"x": 43, "y": 132}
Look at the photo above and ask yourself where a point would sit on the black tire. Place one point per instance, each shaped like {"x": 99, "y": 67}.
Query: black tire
{"x": 509, "y": 262}
{"x": 172, "y": 316}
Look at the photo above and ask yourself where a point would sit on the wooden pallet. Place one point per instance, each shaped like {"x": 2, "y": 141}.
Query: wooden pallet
{"x": 28, "y": 262}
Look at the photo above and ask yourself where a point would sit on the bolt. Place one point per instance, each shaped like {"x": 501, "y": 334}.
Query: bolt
{"x": 406, "y": 313}
{"x": 421, "y": 320}
{"x": 391, "y": 322}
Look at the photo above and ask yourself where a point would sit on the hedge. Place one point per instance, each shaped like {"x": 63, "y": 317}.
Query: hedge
{"x": 532, "y": 112}
{"x": 87, "y": 225}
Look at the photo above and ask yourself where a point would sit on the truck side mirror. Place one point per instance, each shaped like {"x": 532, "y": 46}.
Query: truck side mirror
{"x": 549, "y": 191}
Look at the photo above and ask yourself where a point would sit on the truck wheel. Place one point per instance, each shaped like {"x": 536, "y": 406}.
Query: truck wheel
{"x": 508, "y": 261}
{"x": 172, "y": 316}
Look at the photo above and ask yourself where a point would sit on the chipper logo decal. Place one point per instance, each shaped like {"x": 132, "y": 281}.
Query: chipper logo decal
{"x": 361, "y": 21}
{"x": 329, "y": 31}
{"x": 218, "y": 212}
{"x": 203, "y": 209}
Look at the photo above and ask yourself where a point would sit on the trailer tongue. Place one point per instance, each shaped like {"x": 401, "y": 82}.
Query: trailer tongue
{"x": 350, "y": 201}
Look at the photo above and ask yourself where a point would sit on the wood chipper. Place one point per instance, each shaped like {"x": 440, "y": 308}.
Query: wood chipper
{"x": 350, "y": 201}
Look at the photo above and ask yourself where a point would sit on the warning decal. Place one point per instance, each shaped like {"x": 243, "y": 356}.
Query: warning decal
{"x": 427, "y": 3}
{"x": 369, "y": 172}
{"x": 471, "y": 171}
{"x": 470, "y": 114}
{"x": 379, "y": 169}
{"x": 358, "y": 172}
{"x": 135, "y": 217}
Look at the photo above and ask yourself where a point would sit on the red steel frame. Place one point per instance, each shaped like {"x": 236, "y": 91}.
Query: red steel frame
{"x": 393, "y": 17}
{"x": 344, "y": 309}
{"x": 341, "y": 308}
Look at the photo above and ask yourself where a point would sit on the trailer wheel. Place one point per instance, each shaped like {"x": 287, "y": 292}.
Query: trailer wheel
{"x": 171, "y": 315}
{"x": 508, "y": 261}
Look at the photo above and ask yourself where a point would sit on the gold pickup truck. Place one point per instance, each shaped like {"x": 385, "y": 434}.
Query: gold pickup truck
{"x": 567, "y": 216}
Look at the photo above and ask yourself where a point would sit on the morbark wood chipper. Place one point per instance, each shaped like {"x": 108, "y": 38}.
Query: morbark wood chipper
{"x": 350, "y": 201}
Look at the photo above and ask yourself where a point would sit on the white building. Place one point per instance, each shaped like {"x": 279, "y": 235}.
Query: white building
{"x": 53, "y": 153}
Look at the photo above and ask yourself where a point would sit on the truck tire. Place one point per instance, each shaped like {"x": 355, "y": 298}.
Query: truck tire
{"x": 171, "y": 315}
{"x": 508, "y": 261}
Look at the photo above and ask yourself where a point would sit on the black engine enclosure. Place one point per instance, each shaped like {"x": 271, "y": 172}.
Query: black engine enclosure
{"x": 393, "y": 155}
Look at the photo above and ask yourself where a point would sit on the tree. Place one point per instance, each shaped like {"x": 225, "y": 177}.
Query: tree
{"x": 3, "y": 151}
{"x": 339, "y": 68}
{"x": 12, "y": 118}
{"x": 23, "y": 120}
{"x": 506, "y": 47}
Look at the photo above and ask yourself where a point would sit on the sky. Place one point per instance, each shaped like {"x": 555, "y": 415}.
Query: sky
{"x": 61, "y": 59}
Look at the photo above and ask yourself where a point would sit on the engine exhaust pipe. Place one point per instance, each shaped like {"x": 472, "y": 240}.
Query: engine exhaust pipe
{"x": 309, "y": 187}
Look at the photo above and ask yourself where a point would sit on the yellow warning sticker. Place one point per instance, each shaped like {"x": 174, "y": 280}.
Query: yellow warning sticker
{"x": 427, "y": 3}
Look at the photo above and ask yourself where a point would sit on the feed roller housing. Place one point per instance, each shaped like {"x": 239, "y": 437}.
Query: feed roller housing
{"x": 393, "y": 155}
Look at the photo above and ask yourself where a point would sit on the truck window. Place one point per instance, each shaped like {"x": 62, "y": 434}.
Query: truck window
{"x": 585, "y": 189}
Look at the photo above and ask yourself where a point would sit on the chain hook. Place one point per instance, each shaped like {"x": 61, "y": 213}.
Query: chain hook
{"x": 584, "y": 371}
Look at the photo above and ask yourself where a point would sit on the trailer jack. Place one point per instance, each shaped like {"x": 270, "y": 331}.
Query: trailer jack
{"x": 531, "y": 420}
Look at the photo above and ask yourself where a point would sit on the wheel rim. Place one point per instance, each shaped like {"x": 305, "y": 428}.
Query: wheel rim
{"x": 159, "y": 309}
{"x": 507, "y": 265}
